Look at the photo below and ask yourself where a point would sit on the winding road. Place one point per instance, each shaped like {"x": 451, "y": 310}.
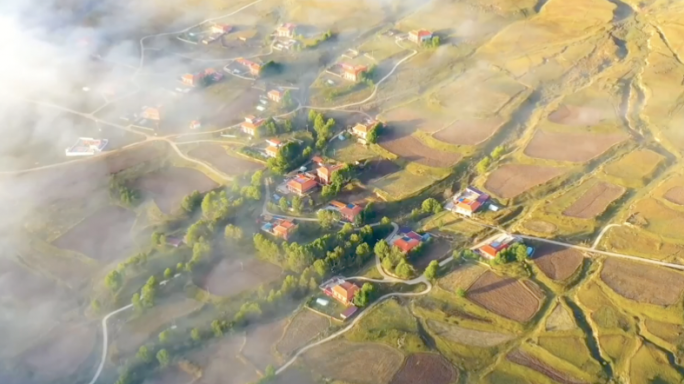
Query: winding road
{"x": 105, "y": 341}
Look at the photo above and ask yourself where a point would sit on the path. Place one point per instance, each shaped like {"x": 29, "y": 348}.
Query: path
{"x": 105, "y": 342}
{"x": 603, "y": 232}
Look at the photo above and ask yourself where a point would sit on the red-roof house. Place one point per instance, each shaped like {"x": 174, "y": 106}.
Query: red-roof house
{"x": 361, "y": 131}
{"x": 406, "y": 244}
{"x": 491, "y": 250}
{"x": 190, "y": 79}
{"x": 287, "y": 30}
{"x": 275, "y": 95}
{"x": 420, "y": 36}
{"x": 353, "y": 73}
{"x": 301, "y": 185}
{"x": 284, "y": 229}
{"x": 325, "y": 172}
{"x": 221, "y": 28}
{"x": 271, "y": 151}
{"x": 318, "y": 160}
{"x": 344, "y": 293}
{"x": 251, "y": 125}
{"x": 351, "y": 211}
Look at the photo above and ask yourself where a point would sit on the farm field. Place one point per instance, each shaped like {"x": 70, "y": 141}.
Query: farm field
{"x": 219, "y": 158}
{"x": 349, "y": 151}
{"x": 401, "y": 184}
{"x": 635, "y": 169}
{"x": 259, "y": 348}
{"x": 594, "y": 200}
{"x": 671, "y": 190}
{"x": 649, "y": 362}
{"x": 390, "y": 323}
{"x": 557, "y": 263}
{"x": 660, "y": 219}
{"x": 463, "y": 277}
{"x": 526, "y": 360}
{"x": 303, "y": 327}
{"x": 168, "y": 186}
{"x": 104, "y": 236}
{"x": 639, "y": 242}
{"x": 642, "y": 282}
{"x": 511, "y": 180}
{"x": 403, "y": 144}
{"x": 572, "y": 349}
{"x": 230, "y": 277}
{"x": 560, "y": 319}
{"x": 220, "y": 364}
{"x": 425, "y": 368}
{"x": 363, "y": 363}
{"x": 449, "y": 222}
{"x": 170, "y": 376}
{"x": 469, "y": 132}
{"x": 466, "y": 336}
{"x": 62, "y": 352}
{"x": 506, "y": 297}
{"x": 571, "y": 147}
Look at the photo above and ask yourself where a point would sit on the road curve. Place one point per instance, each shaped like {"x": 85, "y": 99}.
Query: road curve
{"x": 603, "y": 232}
{"x": 105, "y": 341}
{"x": 350, "y": 326}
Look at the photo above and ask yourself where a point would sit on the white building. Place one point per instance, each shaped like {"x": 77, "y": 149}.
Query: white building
{"x": 86, "y": 146}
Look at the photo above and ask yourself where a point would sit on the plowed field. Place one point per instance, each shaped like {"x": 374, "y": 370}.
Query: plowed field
{"x": 305, "y": 326}
{"x": 642, "y": 282}
{"x": 510, "y": 180}
{"x": 504, "y": 296}
{"x": 573, "y": 147}
{"x": 579, "y": 116}
{"x": 594, "y": 201}
{"x": 558, "y": 263}
{"x": 469, "y": 132}
{"x": 426, "y": 368}
{"x": 521, "y": 358}
{"x": 401, "y": 143}
{"x": 675, "y": 195}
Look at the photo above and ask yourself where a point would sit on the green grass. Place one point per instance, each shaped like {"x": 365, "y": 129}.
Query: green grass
{"x": 572, "y": 349}
{"x": 649, "y": 365}
{"x": 389, "y": 323}
{"x": 449, "y": 222}
{"x": 635, "y": 169}
{"x": 349, "y": 151}
{"x": 400, "y": 185}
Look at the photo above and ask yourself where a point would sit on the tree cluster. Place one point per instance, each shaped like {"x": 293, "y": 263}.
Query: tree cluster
{"x": 120, "y": 191}
{"x": 271, "y": 68}
{"x": 272, "y": 128}
{"x": 338, "y": 179}
{"x": 431, "y": 205}
{"x": 290, "y": 156}
{"x": 394, "y": 260}
{"x": 191, "y": 201}
{"x": 365, "y": 295}
{"x": 516, "y": 252}
{"x": 324, "y": 128}
{"x": 328, "y": 218}
{"x": 434, "y": 42}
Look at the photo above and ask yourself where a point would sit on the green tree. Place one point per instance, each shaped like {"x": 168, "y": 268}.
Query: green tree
{"x": 483, "y": 165}
{"x": 163, "y": 357}
{"x": 164, "y": 336}
{"x": 404, "y": 269}
{"x": 497, "y": 152}
{"x": 168, "y": 273}
{"x": 347, "y": 229}
{"x": 233, "y": 232}
{"x": 460, "y": 292}
{"x": 434, "y": 42}
{"x": 282, "y": 204}
{"x": 144, "y": 354}
{"x": 217, "y": 327}
{"x": 155, "y": 238}
{"x": 195, "y": 334}
{"x": 191, "y": 201}
{"x": 365, "y": 295}
{"x": 287, "y": 102}
{"x": 327, "y": 218}
{"x": 297, "y": 204}
{"x": 431, "y": 270}
{"x": 520, "y": 253}
{"x": 372, "y": 135}
{"x": 320, "y": 267}
{"x": 180, "y": 267}
{"x": 114, "y": 280}
{"x": 135, "y": 300}
{"x": 256, "y": 178}
{"x": 431, "y": 205}
{"x": 385, "y": 221}
{"x": 95, "y": 306}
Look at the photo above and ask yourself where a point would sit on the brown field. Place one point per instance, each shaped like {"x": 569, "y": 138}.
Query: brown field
{"x": 104, "y": 236}
{"x": 594, "y": 201}
{"x": 401, "y": 143}
{"x": 168, "y": 187}
{"x": 293, "y": 376}
{"x": 463, "y": 277}
{"x": 416, "y": 117}
{"x": 377, "y": 169}
{"x": 217, "y": 156}
{"x": 504, "y": 296}
{"x": 305, "y": 326}
{"x": 468, "y": 336}
{"x": 642, "y": 282}
{"x": 558, "y": 263}
{"x": 170, "y": 375}
{"x": 437, "y": 250}
{"x": 579, "y": 116}
{"x": 574, "y": 147}
{"x": 230, "y": 113}
{"x": 426, "y": 368}
{"x": 521, "y": 358}
{"x": 510, "y": 180}
{"x": 220, "y": 364}
{"x": 675, "y": 195}
{"x": 260, "y": 343}
{"x": 469, "y": 132}
{"x": 540, "y": 226}
{"x": 65, "y": 349}
{"x": 361, "y": 363}
{"x": 560, "y": 319}
{"x": 21, "y": 284}
{"x": 230, "y": 277}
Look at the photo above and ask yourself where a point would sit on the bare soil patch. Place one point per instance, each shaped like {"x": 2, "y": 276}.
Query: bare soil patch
{"x": 260, "y": 343}
{"x": 504, "y": 296}
{"x": 510, "y": 180}
{"x": 20, "y": 284}
{"x": 304, "y": 327}
{"x": 217, "y": 156}
{"x": 643, "y": 283}
{"x": 168, "y": 186}
{"x": 472, "y": 132}
{"x": 401, "y": 143}
{"x": 675, "y": 195}
{"x": 377, "y": 169}
{"x": 558, "y": 263}
{"x": 105, "y": 236}
{"x": 426, "y": 368}
{"x": 594, "y": 201}
{"x": 463, "y": 277}
{"x": 230, "y": 277}
{"x": 362, "y": 363}
{"x": 521, "y": 358}
{"x": 560, "y": 320}
{"x": 468, "y": 336}
{"x": 437, "y": 250}
{"x": 65, "y": 349}
{"x": 540, "y": 226}
{"x": 579, "y": 116}
{"x": 577, "y": 147}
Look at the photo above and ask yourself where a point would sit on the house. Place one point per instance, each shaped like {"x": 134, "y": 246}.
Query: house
{"x": 318, "y": 160}
{"x": 195, "y": 124}
{"x": 420, "y": 36}
{"x": 86, "y": 146}
{"x": 361, "y": 130}
{"x": 287, "y": 30}
{"x": 284, "y": 229}
{"x": 221, "y": 28}
{"x": 353, "y": 73}
{"x": 275, "y": 95}
{"x": 344, "y": 292}
{"x": 325, "y": 172}
{"x": 301, "y": 185}
{"x": 271, "y": 151}
{"x": 408, "y": 240}
{"x": 151, "y": 114}
{"x": 491, "y": 250}
{"x": 190, "y": 79}
{"x": 350, "y": 212}
{"x": 468, "y": 202}
{"x": 254, "y": 68}
{"x": 274, "y": 143}
{"x": 251, "y": 125}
